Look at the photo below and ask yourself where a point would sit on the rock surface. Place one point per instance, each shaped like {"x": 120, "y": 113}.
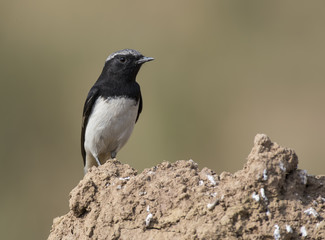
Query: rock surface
{"x": 268, "y": 199}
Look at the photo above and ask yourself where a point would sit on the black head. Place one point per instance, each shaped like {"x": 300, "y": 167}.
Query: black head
{"x": 125, "y": 63}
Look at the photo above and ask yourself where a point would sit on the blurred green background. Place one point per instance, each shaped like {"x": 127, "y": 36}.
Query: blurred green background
{"x": 223, "y": 72}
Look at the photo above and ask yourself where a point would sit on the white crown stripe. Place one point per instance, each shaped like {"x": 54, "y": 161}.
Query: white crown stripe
{"x": 124, "y": 52}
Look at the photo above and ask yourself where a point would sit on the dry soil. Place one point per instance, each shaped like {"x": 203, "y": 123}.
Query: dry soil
{"x": 270, "y": 198}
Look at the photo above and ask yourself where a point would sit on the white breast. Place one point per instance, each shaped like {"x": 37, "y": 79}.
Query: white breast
{"x": 110, "y": 126}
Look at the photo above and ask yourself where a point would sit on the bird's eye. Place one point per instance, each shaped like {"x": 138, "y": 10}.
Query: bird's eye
{"x": 122, "y": 59}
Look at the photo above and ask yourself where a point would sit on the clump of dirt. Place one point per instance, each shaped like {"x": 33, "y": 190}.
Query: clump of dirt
{"x": 269, "y": 199}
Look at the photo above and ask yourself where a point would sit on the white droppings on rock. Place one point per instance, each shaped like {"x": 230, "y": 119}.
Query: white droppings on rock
{"x": 265, "y": 175}
{"x": 289, "y": 229}
{"x": 211, "y": 206}
{"x": 263, "y": 194}
{"x": 276, "y": 233}
{"x": 303, "y": 231}
{"x": 201, "y": 183}
{"x": 311, "y": 211}
{"x": 211, "y": 179}
{"x": 282, "y": 167}
{"x": 149, "y": 216}
{"x": 148, "y": 219}
{"x": 255, "y": 196}
{"x": 124, "y": 179}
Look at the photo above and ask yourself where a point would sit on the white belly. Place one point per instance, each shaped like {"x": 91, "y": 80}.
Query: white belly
{"x": 110, "y": 126}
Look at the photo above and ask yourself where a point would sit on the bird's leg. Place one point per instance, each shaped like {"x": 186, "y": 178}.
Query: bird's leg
{"x": 97, "y": 160}
{"x": 113, "y": 155}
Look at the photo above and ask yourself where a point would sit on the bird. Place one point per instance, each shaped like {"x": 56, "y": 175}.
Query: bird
{"x": 112, "y": 108}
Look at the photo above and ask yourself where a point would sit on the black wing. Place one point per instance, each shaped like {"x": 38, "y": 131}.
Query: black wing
{"x": 91, "y": 98}
{"x": 140, "y": 108}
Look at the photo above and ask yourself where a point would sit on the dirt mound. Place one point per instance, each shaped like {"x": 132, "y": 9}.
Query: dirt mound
{"x": 269, "y": 199}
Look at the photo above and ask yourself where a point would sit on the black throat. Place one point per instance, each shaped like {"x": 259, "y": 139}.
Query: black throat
{"x": 118, "y": 84}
